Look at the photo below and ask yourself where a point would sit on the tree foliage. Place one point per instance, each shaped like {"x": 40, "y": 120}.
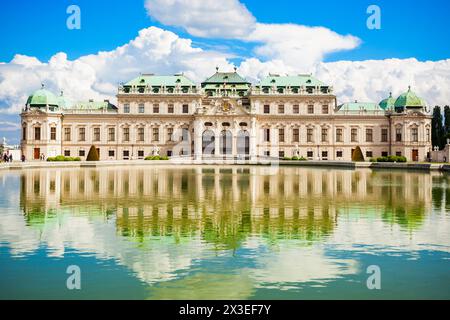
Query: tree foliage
{"x": 438, "y": 133}
{"x": 93, "y": 154}
{"x": 357, "y": 155}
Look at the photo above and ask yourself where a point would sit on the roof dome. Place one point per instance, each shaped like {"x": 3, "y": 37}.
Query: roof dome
{"x": 64, "y": 102}
{"x": 409, "y": 99}
{"x": 388, "y": 103}
{"x": 42, "y": 97}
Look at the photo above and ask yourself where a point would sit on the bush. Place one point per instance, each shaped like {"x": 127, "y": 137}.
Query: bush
{"x": 302, "y": 159}
{"x": 62, "y": 159}
{"x": 288, "y": 158}
{"x": 357, "y": 155}
{"x": 399, "y": 159}
{"x": 373, "y": 160}
{"x": 165, "y": 158}
{"x": 295, "y": 158}
{"x": 155, "y": 158}
{"x": 93, "y": 154}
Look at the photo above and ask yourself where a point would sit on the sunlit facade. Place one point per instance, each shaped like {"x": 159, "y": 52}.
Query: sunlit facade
{"x": 225, "y": 117}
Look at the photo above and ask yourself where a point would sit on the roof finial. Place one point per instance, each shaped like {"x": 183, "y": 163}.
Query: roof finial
{"x": 235, "y": 69}
{"x": 217, "y": 68}
{"x": 409, "y": 88}
{"x": 390, "y": 94}
{"x": 62, "y": 93}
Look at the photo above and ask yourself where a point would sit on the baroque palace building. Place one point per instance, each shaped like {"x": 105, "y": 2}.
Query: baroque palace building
{"x": 225, "y": 117}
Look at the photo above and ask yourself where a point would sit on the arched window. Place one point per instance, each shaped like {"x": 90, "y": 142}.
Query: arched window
{"x": 226, "y": 142}
{"x": 208, "y": 139}
{"x": 243, "y": 142}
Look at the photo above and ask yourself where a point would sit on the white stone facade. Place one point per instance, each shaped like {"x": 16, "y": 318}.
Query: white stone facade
{"x": 192, "y": 123}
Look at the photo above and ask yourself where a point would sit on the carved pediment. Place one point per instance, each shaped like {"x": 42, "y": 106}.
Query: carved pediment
{"x": 224, "y": 106}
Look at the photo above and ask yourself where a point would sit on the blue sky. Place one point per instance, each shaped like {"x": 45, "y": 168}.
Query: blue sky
{"x": 409, "y": 28}
{"x": 263, "y": 37}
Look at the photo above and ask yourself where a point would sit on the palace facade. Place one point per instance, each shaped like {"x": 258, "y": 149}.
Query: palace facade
{"x": 225, "y": 117}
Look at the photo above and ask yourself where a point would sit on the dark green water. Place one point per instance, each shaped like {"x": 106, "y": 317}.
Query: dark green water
{"x": 224, "y": 233}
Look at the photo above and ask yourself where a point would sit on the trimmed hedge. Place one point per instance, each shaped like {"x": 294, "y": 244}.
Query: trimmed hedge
{"x": 295, "y": 158}
{"x": 399, "y": 159}
{"x": 151, "y": 158}
{"x": 357, "y": 155}
{"x": 62, "y": 159}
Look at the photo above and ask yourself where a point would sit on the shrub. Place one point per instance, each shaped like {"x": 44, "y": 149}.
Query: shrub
{"x": 288, "y": 158}
{"x": 62, "y": 159}
{"x": 295, "y": 158}
{"x": 165, "y": 158}
{"x": 373, "y": 160}
{"x": 51, "y": 159}
{"x": 93, "y": 154}
{"x": 398, "y": 159}
{"x": 357, "y": 155}
{"x": 303, "y": 159}
{"x": 151, "y": 158}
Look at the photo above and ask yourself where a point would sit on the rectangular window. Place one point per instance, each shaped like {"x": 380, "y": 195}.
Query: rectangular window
{"x": 81, "y": 153}
{"x": 266, "y": 135}
{"x": 140, "y": 154}
{"x": 338, "y": 154}
{"x": 325, "y": 109}
{"x": 66, "y": 153}
{"x": 428, "y": 135}
{"x": 324, "y": 155}
{"x": 398, "y": 135}
{"x": 415, "y": 135}
{"x": 384, "y": 135}
{"x": 141, "y": 134}
{"x": 310, "y": 154}
{"x": 169, "y": 134}
{"x": 24, "y": 133}
{"x": 169, "y": 153}
{"x": 37, "y": 133}
{"x": 339, "y": 135}
{"x": 354, "y": 135}
{"x": 310, "y": 109}
{"x": 155, "y": 134}
{"x": 111, "y": 153}
{"x": 398, "y": 153}
{"x": 369, "y": 154}
{"x": 126, "y": 134}
{"x": 280, "y": 135}
{"x": 281, "y": 154}
{"x": 369, "y": 135}
{"x": 67, "y": 134}
{"x": 384, "y": 154}
{"x": 53, "y": 134}
{"x": 96, "y": 134}
{"x": 324, "y": 135}
{"x": 184, "y": 134}
{"x": 126, "y": 154}
{"x": 141, "y": 108}
{"x": 111, "y": 134}
{"x": 185, "y": 108}
{"x": 170, "y": 108}
{"x": 309, "y": 135}
{"x": 266, "y": 109}
{"x": 82, "y": 134}
{"x": 267, "y": 153}
{"x": 281, "y": 109}
{"x": 126, "y": 108}
{"x": 156, "y": 108}
{"x": 296, "y": 135}
{"x": 295, "y": 109}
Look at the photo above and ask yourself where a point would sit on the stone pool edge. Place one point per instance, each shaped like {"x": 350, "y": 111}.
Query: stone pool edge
{"x": 321, "y": 164}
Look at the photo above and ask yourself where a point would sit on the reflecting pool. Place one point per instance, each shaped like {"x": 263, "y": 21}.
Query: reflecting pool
{"x": 224, "y": 232}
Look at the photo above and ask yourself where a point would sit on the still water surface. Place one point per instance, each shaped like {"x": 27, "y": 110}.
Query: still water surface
{"x": 224, "y": 233}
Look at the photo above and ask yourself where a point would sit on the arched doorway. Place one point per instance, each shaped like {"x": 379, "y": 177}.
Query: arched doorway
{"x": 208, "y": 139}
{"x": 226, "y": 143}
{"x": 243, "y": 143}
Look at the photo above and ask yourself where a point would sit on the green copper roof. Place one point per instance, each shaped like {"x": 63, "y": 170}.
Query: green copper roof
{"x": 359, "y": 106}
{"x": 388, "y": 103}
{"x": 225, "y": 77}
{"x": 92, "y": 105}
{"x": 42, "y": 97}
{"x": 159, "y": 81}
{"x": 409, "y": 99}
{"x": 64, "y": 102}
{"x": 292, "y": 81}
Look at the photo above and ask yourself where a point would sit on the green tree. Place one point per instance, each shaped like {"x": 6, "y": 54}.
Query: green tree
{"x": 93, "y": 154}
{"x": 447, "y": 120}
{"x": 437, "y": 131}
{"x": 357, "y": 155}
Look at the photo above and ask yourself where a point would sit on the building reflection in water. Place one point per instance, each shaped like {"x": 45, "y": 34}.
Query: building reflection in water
{"x": 166, "y": 223}
{"x": 225, "y": 205}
